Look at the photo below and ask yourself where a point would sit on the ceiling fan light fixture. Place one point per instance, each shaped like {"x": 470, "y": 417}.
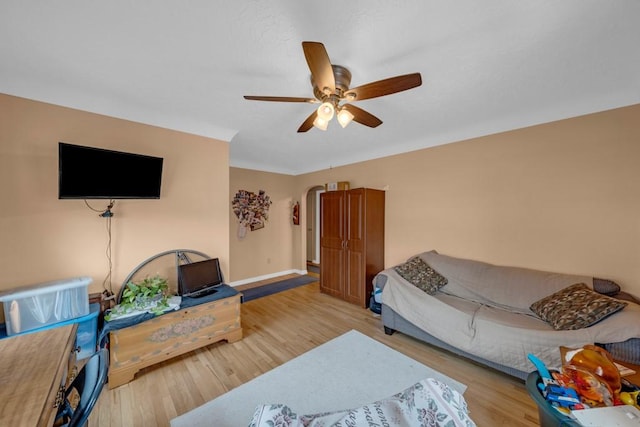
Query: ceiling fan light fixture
{"x": 320, "y": 123}
{"x": 344, "y": 117}
{"x": 326, "y": 111}
{"x": 330, "y": 84}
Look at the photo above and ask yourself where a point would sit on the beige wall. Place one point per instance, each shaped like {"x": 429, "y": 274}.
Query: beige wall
{"x": 44, "y": 238}
{"x": 268, "y": 251}
{"x": 563, "y": 196}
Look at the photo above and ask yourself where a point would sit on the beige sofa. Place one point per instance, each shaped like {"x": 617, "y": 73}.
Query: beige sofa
{"x": 483, "y": 311}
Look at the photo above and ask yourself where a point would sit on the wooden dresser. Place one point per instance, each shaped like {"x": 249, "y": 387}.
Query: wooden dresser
{"x": 33, "y": 373}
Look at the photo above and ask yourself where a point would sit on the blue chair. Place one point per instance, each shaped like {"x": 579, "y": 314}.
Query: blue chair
{"x": 88, "y": 384}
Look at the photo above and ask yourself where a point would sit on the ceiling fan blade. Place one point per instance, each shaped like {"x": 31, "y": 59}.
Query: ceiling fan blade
{"x": 308, "y": 124}
{"x": 363, "y": 117}
{"x": 384, "y": 87}
{"x": 320, "y": 65}
{"x": 280, "y": 99}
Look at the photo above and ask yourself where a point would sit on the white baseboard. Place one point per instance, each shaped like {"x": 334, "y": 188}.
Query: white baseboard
{"x": 266, "y": 276}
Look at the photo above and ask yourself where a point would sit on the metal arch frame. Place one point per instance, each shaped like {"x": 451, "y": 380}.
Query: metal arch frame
{"x": 182, "y": 257}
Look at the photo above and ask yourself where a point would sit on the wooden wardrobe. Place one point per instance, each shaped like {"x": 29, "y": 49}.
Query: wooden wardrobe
{"x": 351, "y": 242}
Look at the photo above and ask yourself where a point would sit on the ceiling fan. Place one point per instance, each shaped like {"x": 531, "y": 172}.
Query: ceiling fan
{"x": 331, "y": 89}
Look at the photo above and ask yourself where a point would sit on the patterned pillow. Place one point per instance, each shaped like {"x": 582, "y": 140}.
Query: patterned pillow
{"x": 575, "y": 307}
{"x": 428, "y": 402}
{"x": 605, "y": 287}
{"x": 418, "y": 273}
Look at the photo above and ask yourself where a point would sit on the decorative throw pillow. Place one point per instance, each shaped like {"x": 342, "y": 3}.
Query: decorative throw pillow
{"x": 575, "y": 307}
{"x": 428, "y": 402}
{"x": 418, "y": 273}
{"x": 605, "y": 287}
{"x": 625, "y": 296}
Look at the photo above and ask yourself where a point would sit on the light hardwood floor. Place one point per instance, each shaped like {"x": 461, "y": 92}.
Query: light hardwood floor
{"x": 278, "y": 328}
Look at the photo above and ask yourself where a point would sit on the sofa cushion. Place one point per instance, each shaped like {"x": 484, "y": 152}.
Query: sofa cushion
{"x": 625, "y": 296}
{"x": 420, "y": 274}
{"x": 575, "y": 307}
{"x": 509, "y": 288}
{"x": 605, "y": 287}
{"x": 626, "y": 351}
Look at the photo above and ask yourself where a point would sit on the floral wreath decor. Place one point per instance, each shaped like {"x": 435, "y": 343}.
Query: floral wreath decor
{"x": 251, "y": 209}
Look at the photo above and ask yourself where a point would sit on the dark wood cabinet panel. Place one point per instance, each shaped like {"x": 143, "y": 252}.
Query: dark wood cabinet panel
{"x": 331, "y": 278}
{"x": 351, "y": 242}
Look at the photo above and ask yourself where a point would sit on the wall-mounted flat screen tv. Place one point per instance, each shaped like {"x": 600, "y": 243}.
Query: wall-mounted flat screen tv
{"x": 96, "y": 173}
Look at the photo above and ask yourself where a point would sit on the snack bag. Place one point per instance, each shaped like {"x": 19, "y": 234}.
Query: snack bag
{"x": 593, "y": 390}
{"x": 594, "y": 374}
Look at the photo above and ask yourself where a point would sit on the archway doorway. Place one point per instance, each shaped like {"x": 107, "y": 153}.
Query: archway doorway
{"x": 313, "y": 226}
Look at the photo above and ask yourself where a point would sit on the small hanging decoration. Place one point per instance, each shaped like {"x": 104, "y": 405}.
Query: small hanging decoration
{"x": 296, "y": 214}
{"x": 251, "y": 209}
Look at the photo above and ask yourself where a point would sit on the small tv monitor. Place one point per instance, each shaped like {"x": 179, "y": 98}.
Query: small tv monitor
{"x": 96, "y": 173}
{"x": 199, "y": 278}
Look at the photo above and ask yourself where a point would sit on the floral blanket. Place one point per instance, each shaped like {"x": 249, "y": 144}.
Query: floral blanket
{"x": 428, "y": 403}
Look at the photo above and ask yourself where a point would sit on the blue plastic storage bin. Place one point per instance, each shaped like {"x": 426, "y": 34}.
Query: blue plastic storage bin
{"x": 86, "y": 336}
{"x": 549, "y": 416}
{"x": 36, "y": 306}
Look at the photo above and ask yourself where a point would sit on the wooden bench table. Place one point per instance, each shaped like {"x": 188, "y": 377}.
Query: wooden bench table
{"x": 160, "y": 338}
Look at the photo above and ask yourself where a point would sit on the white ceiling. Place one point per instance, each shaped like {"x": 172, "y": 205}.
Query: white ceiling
{"x": 487, "y": 66}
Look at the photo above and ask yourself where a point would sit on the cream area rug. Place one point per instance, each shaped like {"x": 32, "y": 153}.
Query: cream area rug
{"x": 346, "y": 372}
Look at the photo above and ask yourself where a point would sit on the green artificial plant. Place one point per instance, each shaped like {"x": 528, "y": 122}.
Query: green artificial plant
{"x": 149, "y": 294}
